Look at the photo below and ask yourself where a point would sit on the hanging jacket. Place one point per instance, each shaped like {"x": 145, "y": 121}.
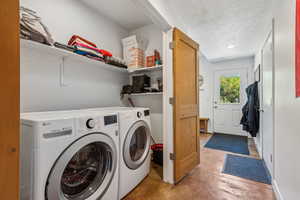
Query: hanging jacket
{"x": 250, "y": 119}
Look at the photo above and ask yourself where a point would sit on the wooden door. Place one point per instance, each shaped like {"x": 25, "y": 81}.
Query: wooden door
{"x": 186, "y": 104}
{"x": 9, "y": 101}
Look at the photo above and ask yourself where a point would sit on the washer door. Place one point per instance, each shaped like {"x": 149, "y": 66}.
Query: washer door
{"x": 136, "y": 145}
{"x": 84, "y": 169}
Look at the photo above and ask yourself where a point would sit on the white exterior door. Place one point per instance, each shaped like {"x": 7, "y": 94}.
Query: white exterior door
{"x": 229, "y": 98}
{"x": 267, "y": 102}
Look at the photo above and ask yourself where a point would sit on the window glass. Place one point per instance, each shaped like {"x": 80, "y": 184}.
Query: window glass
{"x": 230, "y": 89}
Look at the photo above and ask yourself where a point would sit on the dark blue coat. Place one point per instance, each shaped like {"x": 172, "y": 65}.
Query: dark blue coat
{"x": 250, "y": 119}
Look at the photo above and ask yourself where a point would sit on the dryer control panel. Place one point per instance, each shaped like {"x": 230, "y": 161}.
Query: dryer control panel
{"x": 146, "y": 112}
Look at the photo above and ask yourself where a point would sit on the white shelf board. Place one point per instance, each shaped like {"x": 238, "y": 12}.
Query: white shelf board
{"x": 146, "y": 94}
{"x": 145, "y": 69}
{"x": 51, "y": 50}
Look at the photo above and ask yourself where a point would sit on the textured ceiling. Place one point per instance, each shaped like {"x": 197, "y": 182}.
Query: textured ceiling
{"x": 123, "y": 12}
{"x": 216, "y": 24}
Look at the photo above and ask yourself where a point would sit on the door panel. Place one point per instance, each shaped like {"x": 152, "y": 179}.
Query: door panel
{"x": 9, "y": 103}
{"x": 229, "y": 97}
{"x": 186, "y": 106}
{"x": 236, "y": 118}
{"x": 267, "y": 102}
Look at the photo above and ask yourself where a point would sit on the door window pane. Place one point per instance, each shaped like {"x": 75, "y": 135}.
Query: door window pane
{"x": 230, "y": 89}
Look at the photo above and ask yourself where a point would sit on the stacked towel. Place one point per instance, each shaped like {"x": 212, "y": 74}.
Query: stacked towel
{"x": 77, "y": 39}
{"x": 32, "y": 28}
{"x": 85, "y": 47}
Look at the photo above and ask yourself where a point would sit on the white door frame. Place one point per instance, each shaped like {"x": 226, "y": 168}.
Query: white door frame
{"x": 168, "y": 139}
{"x": 167, "y": 54}
{"x": 213, "y": 95}
{"x": 271, "y": 33}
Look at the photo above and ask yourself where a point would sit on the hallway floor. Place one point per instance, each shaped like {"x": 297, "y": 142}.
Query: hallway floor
{"x": 206, "y": 182}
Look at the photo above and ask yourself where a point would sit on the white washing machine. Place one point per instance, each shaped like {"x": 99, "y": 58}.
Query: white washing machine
{"x": 135, "y": 139}
{"x": 69, "y": 155}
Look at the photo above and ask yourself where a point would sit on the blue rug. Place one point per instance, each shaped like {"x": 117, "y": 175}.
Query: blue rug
{"x": 231, "y": 143}
{"x": 248, "y": 168}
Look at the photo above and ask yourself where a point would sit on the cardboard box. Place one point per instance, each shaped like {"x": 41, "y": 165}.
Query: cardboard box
{"x": 134, "y": 51}
{"x": 150, "y": 61}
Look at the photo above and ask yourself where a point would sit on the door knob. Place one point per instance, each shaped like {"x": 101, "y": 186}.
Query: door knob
{"x": 215, "y": 107}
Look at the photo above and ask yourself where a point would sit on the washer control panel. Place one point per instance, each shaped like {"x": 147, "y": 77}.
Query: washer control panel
{"x": 97, "y": 123}
{"x": 87, "y": 124}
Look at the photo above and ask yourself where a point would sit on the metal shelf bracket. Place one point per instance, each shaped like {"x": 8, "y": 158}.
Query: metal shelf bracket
{"x": 62, "y": 72}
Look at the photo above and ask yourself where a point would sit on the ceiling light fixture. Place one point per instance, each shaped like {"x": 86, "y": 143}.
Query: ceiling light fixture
{"x": 231, "y": 46}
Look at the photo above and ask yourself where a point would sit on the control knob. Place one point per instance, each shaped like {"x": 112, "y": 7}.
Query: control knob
{"x": 139, "y": 114}
{"x": 90, "y": 123}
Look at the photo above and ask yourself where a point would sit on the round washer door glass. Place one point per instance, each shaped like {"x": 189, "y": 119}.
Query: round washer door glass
{"x": 136, "y": 145}
{"x": 86, "y": 168}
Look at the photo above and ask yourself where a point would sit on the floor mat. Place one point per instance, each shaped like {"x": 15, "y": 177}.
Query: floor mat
{"x": 248, "y": 168}
{"x": 231, "y": 143}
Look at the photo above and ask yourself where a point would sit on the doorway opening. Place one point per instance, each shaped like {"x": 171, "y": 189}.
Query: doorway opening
{"x": 229, "y": 97}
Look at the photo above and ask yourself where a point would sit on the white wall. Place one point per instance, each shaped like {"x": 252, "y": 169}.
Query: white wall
{"x": 206, "y": 91}
{"x": 65, "y": 18}
{"x": 287, "y": 106}
{"x": 155, "y": 42}
{"x": 154, "y": 36}
{"x": 88, "y": 84}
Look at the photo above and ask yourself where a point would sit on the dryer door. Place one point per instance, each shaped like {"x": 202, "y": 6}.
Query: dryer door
{"x": 136, "y": 145}
{"x": 85, "y": 169}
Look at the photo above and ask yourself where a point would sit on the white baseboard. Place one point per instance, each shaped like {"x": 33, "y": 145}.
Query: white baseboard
{"x": 278, "y": 195}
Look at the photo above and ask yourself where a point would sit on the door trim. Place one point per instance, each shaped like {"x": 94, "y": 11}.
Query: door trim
{"x": 273, "y": 98}
{"x": 10, "y": 100}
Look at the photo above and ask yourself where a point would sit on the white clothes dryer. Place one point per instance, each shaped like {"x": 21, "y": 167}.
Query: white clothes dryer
{"x": 135, "y": 139}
